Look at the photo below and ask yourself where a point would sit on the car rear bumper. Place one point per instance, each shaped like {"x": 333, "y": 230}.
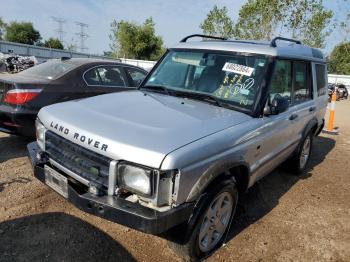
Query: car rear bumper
{"x": 17, "y": 121}
{"x": 116, "y": 209}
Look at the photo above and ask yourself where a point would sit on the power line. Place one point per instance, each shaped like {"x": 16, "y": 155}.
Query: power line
{"x": 59, "y": 29}
{"x": 83, "y": 35}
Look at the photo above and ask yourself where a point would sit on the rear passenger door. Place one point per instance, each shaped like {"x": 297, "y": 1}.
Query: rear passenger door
{"x": 303, "y": 104}
{"x": 105, "y": 79}
{"x": 281, "y": 133}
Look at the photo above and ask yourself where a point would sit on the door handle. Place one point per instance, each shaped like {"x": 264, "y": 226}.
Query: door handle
{"x": 293, "y": 116}
{"x": 312, "y": 109}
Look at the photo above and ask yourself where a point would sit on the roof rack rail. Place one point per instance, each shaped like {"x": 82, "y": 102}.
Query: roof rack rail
{"x": 184, "y": 40}
{"x": 273, "y": 41}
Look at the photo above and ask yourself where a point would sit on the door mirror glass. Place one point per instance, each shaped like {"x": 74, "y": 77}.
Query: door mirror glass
{"x": 279, "y": 105}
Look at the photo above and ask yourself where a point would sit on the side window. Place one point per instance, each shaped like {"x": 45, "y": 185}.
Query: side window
{"x": 136, "y": 76}
{"x": 112, "y": 76}
{"x": 92, "y": 77}
{"x": 321, "y": 79}
{"x": 107, "y": 76}
{"x": 281, "y": 82}
{"x": 302, "y": 88}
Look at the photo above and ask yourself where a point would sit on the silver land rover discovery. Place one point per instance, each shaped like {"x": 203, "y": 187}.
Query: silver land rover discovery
{"x": 210, "y": 119}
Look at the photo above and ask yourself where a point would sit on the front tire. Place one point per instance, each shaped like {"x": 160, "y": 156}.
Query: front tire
{"x": 212, "y": 224}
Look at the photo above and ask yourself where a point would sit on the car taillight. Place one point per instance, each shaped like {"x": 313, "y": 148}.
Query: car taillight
{"x": 20, "y": 96}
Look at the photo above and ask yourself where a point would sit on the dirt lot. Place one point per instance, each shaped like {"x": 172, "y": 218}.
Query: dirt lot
{"x": 282, "y": 218}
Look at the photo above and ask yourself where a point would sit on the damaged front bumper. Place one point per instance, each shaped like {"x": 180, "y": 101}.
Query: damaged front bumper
{"x": 113, "y": 208}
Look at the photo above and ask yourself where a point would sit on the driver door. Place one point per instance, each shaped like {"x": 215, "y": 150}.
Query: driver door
{"x": 278, "y": 140}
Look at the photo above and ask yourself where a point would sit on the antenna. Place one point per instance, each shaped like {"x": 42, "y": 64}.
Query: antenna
{"x": 82, "y": 34}
{"x": 59, "y": 30}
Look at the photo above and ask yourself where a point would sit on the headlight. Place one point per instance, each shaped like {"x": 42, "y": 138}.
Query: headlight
{"x": 135, "y": 179}
{"x": 40, "y": 134}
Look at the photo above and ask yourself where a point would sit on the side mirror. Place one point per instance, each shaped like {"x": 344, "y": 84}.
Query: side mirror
{"x": 279, "y": 105}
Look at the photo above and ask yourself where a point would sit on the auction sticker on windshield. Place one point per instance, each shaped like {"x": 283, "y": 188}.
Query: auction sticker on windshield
{"x": 238, "y": 69}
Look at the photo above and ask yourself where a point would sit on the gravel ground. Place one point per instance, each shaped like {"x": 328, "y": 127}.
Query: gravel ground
{"x": 282, "y": 218}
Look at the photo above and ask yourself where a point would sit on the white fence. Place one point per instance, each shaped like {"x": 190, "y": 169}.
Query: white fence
{"x": 41, "y": 53}
{"x": 141, "y": 63}
{"x": 44, "y": 53}
{"x": 339, "y": 79}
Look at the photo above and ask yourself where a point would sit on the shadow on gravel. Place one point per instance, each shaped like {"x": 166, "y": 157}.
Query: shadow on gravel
{"x": 57, "y": 237}
{"x": 265, "y": 194}
{"x": 13, "y": 147}
{"x": 20, "y": 180}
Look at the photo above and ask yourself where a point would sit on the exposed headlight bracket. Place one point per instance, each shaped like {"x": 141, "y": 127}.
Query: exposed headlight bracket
{"x": 112, "y": 177}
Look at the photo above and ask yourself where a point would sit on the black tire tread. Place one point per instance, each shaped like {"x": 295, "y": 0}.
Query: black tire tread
{"x": 185, "y": 250}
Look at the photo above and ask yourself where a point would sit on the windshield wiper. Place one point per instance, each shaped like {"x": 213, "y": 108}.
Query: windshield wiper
{"x": 156, "y": 88}
{"x": 200, "y": 96}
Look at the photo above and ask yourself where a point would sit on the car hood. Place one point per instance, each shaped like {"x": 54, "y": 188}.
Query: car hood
{"x": 137, "y": 126}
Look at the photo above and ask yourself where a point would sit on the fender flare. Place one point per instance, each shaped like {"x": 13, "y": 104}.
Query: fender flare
{"x": 210, "y": 175}
{"x": 309, "y": 126}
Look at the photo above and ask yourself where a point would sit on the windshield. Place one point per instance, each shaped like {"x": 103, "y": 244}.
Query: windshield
{"x": 231, "y": 79}
{"x": 51, "y": 69}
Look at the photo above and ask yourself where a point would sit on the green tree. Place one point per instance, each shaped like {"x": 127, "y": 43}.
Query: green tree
{"x": 22, "y": 32}
{"x": 307, "y": 20}
{"x": 53, "y": 43}
{"x": 339, "y": 59}
{"x": 2, "y": 28}
{"x": 218, "y": 23}
{"x": 109, "y": 54}
{"x": 258, "y": 19}
{"x": 135, "y": 41}
{"x": 310, "y": 22}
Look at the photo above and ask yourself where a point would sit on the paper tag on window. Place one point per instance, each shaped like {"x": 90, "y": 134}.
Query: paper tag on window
{"x": 238, "y": 69}
{"x": 244, "y": 91}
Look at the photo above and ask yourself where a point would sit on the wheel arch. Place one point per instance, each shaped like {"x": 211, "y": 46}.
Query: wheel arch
{"x": 312, "y": 126}
{"x": 239, "y": 172}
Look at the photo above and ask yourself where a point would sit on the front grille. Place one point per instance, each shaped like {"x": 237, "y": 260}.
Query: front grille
{"x": 81, "y": 161}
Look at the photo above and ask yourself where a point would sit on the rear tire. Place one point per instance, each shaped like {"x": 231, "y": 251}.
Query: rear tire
{"x": 213, "y": 220}
{"x": 299, "y": 161}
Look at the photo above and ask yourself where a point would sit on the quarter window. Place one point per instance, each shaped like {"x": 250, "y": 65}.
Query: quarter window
{"x": 321, "y": 79}
{"x": 92, "y": 77}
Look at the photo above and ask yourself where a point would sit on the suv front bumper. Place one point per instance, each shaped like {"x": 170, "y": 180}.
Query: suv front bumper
{"x": 116, "y": 209}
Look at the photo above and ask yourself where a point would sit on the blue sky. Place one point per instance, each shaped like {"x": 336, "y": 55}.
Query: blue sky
{"x": 174, "y": 18}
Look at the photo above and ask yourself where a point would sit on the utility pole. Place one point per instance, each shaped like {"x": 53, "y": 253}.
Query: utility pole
{"x": 59, "y": 30}
{"x": 83, "y": 36}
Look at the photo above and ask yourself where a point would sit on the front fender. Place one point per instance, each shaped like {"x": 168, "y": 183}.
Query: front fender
{"x": 210, "y": 175}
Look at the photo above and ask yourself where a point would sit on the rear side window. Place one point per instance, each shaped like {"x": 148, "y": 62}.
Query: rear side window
{"x": 281, "y": 82}
{"x": 302, "y": 87}
{"x": 321, "y": 79}
{"x": 136, "y": 76}
{"x": 92, "y": 77}
{"x": 106, "y": 76}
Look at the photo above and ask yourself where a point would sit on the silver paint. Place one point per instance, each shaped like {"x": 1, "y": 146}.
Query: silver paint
{"x": 197, "y": 139}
